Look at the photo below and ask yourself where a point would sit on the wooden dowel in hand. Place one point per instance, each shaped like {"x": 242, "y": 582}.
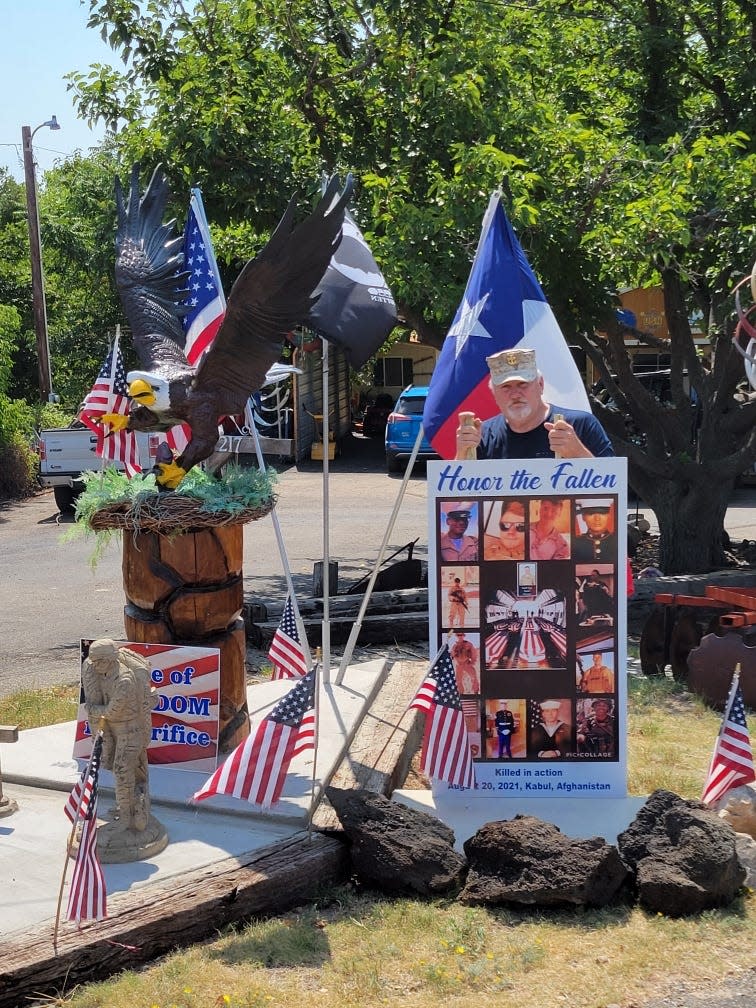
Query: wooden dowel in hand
{"x": 557, "y": 418}
{"x": 468, "y": 420}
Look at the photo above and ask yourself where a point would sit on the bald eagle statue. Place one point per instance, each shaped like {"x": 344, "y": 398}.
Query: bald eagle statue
{"x": 273, "y": 294}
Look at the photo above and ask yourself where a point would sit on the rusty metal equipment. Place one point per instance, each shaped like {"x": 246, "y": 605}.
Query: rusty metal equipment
{"x": 723, "y": 616}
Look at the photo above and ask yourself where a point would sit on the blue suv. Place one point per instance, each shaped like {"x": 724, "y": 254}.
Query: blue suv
{"x": 402, "y": 427}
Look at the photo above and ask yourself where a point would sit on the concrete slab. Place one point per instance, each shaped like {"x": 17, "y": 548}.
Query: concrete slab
{"x": 39, "y": 770}
{"x": 42, "y": 756}
{"x": 34, "y": 842}
{"x": 575, "y": 817}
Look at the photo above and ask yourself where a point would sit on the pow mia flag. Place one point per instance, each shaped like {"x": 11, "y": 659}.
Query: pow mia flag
{"x": 355, "y": 307}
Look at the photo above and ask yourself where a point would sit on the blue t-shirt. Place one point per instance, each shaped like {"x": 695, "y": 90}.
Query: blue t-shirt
{"x": 498, "y": 441}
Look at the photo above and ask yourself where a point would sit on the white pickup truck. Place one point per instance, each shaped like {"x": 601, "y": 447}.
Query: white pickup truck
{"x": 66, "y": 452}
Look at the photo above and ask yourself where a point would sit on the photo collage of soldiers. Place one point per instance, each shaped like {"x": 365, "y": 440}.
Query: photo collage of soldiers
{"x": 527, "y": 602}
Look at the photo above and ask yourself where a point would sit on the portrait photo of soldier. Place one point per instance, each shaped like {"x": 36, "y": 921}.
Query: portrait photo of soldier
{"x": 504, "y": 530}
{"x": 550, "y": 729}
{"x": 596, "y": 728}
{"x": 505, "y": 718}
{"x": 594, "y": 595}
{"x": 596, "y": 538}
{"x": 464, "y": 649}
{"x": 458, "y": 539}
{"x": 549, "y": 529}
{"x": 460, "y": 597}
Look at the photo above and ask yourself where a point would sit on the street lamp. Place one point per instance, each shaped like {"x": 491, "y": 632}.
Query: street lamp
{"x": 35, "y": 249}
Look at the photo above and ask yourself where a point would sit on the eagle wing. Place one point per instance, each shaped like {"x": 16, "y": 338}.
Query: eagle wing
{"x": 149, "y": 274}
{"x": 272, "y": 294}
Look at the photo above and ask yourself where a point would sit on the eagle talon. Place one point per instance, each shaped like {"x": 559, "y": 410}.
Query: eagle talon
{"x": 115, "y": 421}
{"x": 170, "y": 475}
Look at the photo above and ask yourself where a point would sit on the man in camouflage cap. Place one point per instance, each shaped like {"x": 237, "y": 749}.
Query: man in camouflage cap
{"x": 527, "y": 426}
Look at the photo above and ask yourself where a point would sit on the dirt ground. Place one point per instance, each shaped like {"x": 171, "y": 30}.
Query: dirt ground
{"x": 739, "y": 991}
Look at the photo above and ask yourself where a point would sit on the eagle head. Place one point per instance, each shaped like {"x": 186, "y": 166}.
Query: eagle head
{"x": 148, "y": 389}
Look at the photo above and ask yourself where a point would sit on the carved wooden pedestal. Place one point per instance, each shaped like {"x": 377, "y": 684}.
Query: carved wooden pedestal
{"x": 188, "y": 589}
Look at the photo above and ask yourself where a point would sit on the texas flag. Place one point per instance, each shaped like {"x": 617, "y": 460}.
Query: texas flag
{"x": 503, "y": 307}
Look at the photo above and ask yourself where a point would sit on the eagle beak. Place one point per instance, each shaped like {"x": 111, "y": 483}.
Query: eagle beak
{"x": 142, "y": 392}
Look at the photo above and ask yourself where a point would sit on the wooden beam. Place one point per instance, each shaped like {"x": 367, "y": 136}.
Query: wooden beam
{"x": 152, "y": 921}
{"x": 244, "y": 444}
{"x": 380, "y": 629}
{"x": 382, "y": 749}
{"x": 399, "y": 600}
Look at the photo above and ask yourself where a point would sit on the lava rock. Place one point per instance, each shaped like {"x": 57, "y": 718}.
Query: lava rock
{"x": 394, "y": 848}
{"x": 527, "y": 862}
{"x": 683, "y": 856}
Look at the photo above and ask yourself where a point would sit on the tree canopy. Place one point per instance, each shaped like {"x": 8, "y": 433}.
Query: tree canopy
{"x": 620, "y": 131}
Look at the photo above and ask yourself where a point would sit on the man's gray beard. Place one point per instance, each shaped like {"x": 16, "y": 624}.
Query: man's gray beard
{"x": 519, "y": 413}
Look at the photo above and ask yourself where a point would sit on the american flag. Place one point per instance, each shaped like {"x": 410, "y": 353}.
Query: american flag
{"x": 77, "y": 806}
{"x": 206, "y": 301}
{"x": 256, "y": 770}
{"x": 496, "y": 645}
{"x": 286, "y": 652}
{"x": 445, "y": 753}
{"x": 87, "y": 897}
{"x": 471, "y": 707}
{"x": 732, "y": 762}
{"x": 108, "y": 395}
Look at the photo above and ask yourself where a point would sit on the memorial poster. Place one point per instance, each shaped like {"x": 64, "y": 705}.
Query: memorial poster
{"x": 186, "y": 685}
{"x": 527, "y": 586}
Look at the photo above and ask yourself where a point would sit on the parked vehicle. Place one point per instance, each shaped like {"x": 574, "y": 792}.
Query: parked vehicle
{"x": 375, "y": 416}
{"x": 66, "y": 452}
{"x": 402, "y": 427}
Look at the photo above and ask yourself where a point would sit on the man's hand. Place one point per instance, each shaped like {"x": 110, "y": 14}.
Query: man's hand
{"x": 564, "y": 442}
{"x": 115, "y": 421}
{"x": 468, "y": 439}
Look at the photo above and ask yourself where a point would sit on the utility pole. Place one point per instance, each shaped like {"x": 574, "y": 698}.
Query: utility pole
{"x": 35, "y": 249}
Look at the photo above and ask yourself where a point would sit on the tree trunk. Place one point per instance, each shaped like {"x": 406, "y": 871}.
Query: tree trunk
{"x": 691, "y": 524}
{"x": 188, "y": 589}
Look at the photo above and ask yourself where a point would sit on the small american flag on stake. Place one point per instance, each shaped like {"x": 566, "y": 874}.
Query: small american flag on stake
{"x": 256, "y": 770}
{"x": 286, "y": 652}
{"x": 445, "y": 752}
{"x": 732, "y": 762}
{"x": 87, "y": 897}
{"x": 109, "y": 395}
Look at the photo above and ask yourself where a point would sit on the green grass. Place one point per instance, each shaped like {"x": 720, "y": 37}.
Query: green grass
{"x": 361, "y": 949}
{"x": 36, "y": 708}
{"x": 356, "y": 948}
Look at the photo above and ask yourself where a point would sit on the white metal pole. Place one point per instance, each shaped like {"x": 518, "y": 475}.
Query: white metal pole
{"x": 349, "y": 649}
{"x": 284, "y": 557}
{"x": 326, "y": 630}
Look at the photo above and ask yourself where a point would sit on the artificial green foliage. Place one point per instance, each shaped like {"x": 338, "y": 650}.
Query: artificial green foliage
{"x": 238, "y": 490}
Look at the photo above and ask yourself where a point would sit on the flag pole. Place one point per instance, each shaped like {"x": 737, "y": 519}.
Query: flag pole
{"x": 728, "y": 705}
{"x": 354, "y": 633}
{"x": 284, "y": 556}
{"x": 326, "y": 625}
{"x": 113, "y": 361}
{"x": 71, "y": 837}
{"x": 316, "y": 687}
